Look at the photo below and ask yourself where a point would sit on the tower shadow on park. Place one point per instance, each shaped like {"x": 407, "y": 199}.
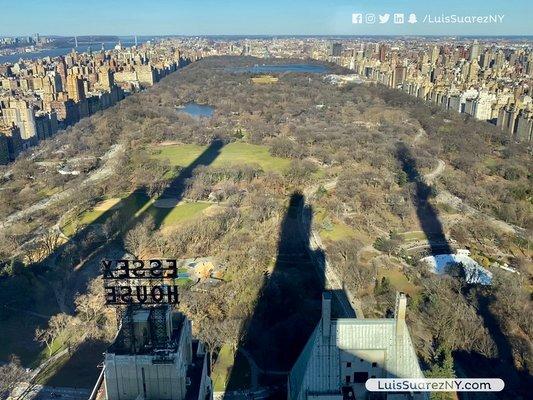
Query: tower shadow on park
{"x": 176, "y": 189}
{"x": 428, "y": 215}
{"x": 288, "y": 304}
{"x": 516, "y": 382}
{"x": 129, "y": 211}
{"x": 89, "y": 243}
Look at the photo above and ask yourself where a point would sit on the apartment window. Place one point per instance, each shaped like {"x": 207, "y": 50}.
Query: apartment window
{"x": 360, "y": 377}
{"x": 348, "y": 365}
{"x": 348, "y": 378}
{"x": 374, "y": 364}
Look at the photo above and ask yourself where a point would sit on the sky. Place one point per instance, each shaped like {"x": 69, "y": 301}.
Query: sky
{"x": 251, "y": 17}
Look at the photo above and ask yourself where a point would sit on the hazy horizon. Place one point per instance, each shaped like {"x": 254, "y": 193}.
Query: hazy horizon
{"x": 239, "y": 17}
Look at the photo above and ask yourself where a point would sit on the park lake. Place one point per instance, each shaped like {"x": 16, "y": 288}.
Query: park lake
{"x": 281, "y": 68}
{"x": 196, "y": 110}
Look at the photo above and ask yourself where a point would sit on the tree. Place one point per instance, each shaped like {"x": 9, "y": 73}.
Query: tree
{"x": 139, "y": 239}
{"x": 11, "y": 374}
{"x": 56, "y": 326}
{"x": 90, "y": 304}
{"x": 442, "y": 367}
{"x": 45, "y": 337}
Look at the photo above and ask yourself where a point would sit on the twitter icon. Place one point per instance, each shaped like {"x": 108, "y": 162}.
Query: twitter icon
{"x": 383, "y": 19}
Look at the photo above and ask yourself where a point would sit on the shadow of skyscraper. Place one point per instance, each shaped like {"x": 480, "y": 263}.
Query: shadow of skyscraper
{"x": 427, "y": 214}
{"x": 288, "y": 306}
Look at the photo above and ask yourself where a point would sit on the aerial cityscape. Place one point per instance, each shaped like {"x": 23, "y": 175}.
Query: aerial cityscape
{"x": 249, "y": 201}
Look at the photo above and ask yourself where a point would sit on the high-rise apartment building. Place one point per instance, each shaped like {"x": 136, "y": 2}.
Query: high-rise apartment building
{"x": 21, "y": 114}
{"x": 154, "y": 356}
{"x": 342, "y": 354}
{"x": 75, "y": 89}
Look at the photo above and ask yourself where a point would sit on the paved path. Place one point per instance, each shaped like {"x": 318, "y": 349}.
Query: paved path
{"x": 46, "y": 317}
{"x": 27, "y": 391}
{"x": 450, "y": 199}
{"x": 439, "y": 169}
{"x": 106, "y": 170}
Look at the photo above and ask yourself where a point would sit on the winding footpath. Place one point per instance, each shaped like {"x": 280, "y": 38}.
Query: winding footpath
{"x": 446, "y": 197}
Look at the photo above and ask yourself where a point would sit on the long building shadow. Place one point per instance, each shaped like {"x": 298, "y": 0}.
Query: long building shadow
{"x": 427, "y": 214}
{"x": 174, "y": 192}
{"x": 474, "y": 364}
{"x": 288, "y": 306}
{"x": 517, "y": 383}
{"x": 130, "y": 210}
{"x": 103, "y": 235}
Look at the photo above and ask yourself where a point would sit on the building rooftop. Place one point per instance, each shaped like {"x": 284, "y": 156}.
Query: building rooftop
{"x": 145, "y": 331}
{"x": 317, "y": 368}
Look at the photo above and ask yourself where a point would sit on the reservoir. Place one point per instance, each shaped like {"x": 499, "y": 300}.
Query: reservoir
{"x": 196, "y": 110}
{"x": 281, "y": 68}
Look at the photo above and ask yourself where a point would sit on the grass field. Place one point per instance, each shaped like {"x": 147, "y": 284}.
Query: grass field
{"x": 413, "y": 235}
{"x": 132, "y": 205}
{"x": 184, "y": 211}
{"x": 335, "y": 230}
{"x": 399, "y": 281}
{"x": 78, "y": 369}
{"x": 231, "y": 154}
{"x": 338, "y": 231}
{"x": 85, "y": 218}
{"x": 224, "y": 367}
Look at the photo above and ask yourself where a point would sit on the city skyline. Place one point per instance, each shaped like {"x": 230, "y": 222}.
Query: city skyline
{"x": 208, "y": 17}
{"x": 287, "y": 194}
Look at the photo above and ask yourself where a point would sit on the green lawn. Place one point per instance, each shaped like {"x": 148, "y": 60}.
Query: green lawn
{"x": 413, "y": 235}
{"x": 226, "y": 366}
{"x": 399, "y": 281}
{"x": 131, "y": 205}
{"x": 75, "y": 370}
{"x": 333, "y": 229}
{"x": 85, "y": 218}
{"x": 222, "y": 368}
{"x": 338, "y": 231}
{"x": 179, "y": 154}
{"x": 134, "y": 206}
{"x": 231, "y": 154}
{"x": 182, "y": 212}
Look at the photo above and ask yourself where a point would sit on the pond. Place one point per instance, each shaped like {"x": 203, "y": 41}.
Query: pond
{"x": 280, "y": 68}
{"x": 197, "y": 110}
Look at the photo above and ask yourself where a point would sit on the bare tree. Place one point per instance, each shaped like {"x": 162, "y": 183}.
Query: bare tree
{"x": 11, "y": 374}
{"x": 139, "y": 239}
{"x": 56, "y": 326}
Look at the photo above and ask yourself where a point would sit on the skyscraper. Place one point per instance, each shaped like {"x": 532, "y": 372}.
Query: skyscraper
{"x": 154, "y": 356}
{"x": 75, "y": 88}
{"x": 21, "y": 114}
{"x": 474, "y": 51}
{"x": 342, "y": 354}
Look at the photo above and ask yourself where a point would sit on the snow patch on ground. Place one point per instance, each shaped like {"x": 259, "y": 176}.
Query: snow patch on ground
{"x": 473, "y": 272}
